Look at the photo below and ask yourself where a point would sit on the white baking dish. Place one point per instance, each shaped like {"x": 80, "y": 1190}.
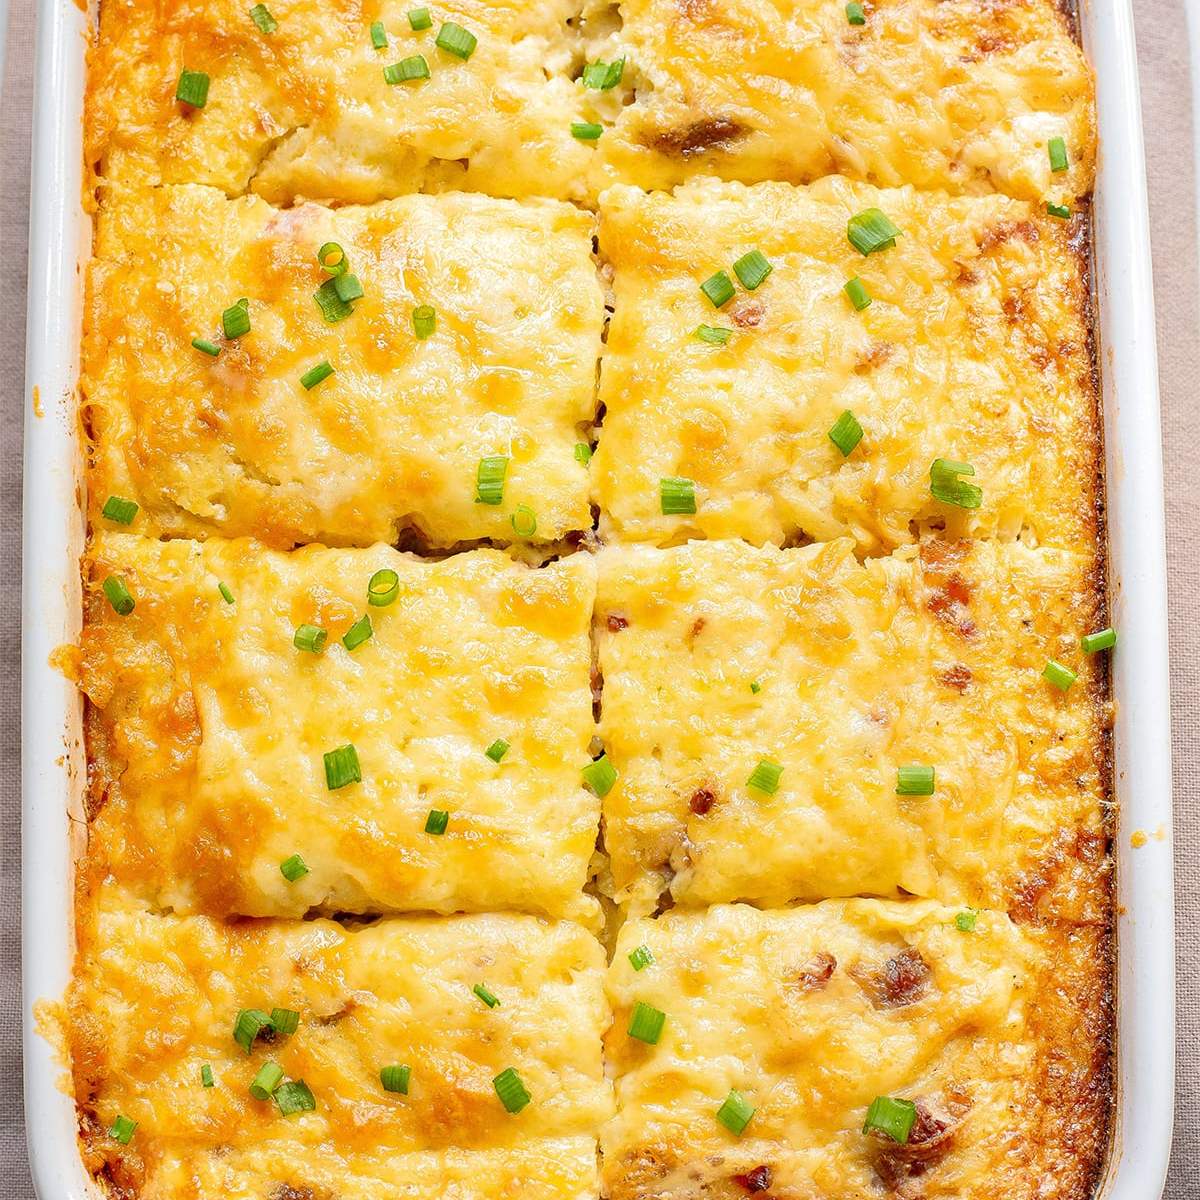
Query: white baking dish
{"x": 53, "y": 765}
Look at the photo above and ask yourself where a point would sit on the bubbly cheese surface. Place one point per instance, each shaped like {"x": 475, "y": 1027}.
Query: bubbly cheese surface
{"x": 392, "y": 440}
{"x": 997, "y": 1034}
{"x": 932, "y": 657}
{"x": 974, "y": 349}
{"x": 208, "y": 730}
{"x": 156, "y": 998}
{"x": 306, "y": 111}
{"x": 955, "y": 95}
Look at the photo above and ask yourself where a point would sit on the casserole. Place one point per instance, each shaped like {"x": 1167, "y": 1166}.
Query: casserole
{"x": 53, "y": 761}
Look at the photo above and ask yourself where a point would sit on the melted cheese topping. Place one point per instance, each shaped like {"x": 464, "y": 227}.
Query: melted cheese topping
{"x": 392, "y": 440}
{"x": 961, "y": 95}
{"x": 156, "y": 998}
{"x": 305, "y": 111}
{"x": 931, "y": 659}
{"x": 208, "y": 730}
{"x": 974, "y": 349}
{"x": 998, "y": 1035}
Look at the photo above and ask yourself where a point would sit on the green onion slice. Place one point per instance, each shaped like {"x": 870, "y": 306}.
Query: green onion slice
{"x": 870, "y": 231}
{"x": 456, "y": 40}
{"x": 206, "y": 347}
{"x": 1104, "y": 639}
{"x": 269, "y": 1077}
{"x": 206, "y": 1076}
{"x": 677, "y": 496}
{"x": 418, "y": 19}
{"x": 295, "y": 1096}
{"x": 512, "y": 1092}
{"x": 358, "y": 633}
{"x": 395, "y": 1079}
{"x": 914, "y": 781}
{"x": 964, "y": 922}
{"x": 120, "y": 510}
{"x": 310, "y": 638}
{"x": 486, "y": 995}
{"x": 586, "y": 131}
{"x": 719, "y": 289}
{"x": 407, "y": 69}
{"x": 235, "y": 320}
{"x": 755, "y": 687}
{"x": 735, "y": 1112}
{"x": 855, "y": 14}
{"x": 646, "y": 1023}
{"x": 603, "y": 77}
{"x": 424, "y": 321}
{"x": 226, "y": 594}
{"x": 1057, "y": 149}
{"x": 752, "y": 270}
{"x": 714, "y": 335}
{"x": 378, "y": 35}
{"x": 122, "y": 1130}
{"x": 846, "y": 433}
{"x": 333, "y": 307}
{"x": 261, "y": 16}
{"x": 315, "y": 375}
{"x": 383, "y": 587}
{"x": 192, "y": 88}
{"x": 489, "y": 479}
{"x": 765, "y": 777}
{"x": 293, "y": 868}
{"x": 600, "y": 775}
{"x": 249, "y": 1024}
{"x": 583, "y": 453}
{"x": 332, "y": 258}
{"x": 640, "y": 958}
{"x": 342, "y": 767}
{"x": 945, "y": 485}
{"x": 497, "y": 750}
{"x": 348, "y": 288}
{"x": 1058, "y": 210}
{"x": 524, "y": 521}
{"x": 892, "y": 1117}
{"x": 285, "y": 1021}
{"x": 437, "y": 821}
{"x": 118, "y": 595}
{"x": 857, "y": 291}
{"x": 1061, "y": 677}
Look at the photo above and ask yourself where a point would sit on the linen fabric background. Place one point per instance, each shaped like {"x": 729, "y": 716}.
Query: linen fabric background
{"x": 1167, "y": 119}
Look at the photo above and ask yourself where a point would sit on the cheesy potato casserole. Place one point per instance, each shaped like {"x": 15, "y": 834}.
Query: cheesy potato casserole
{"x": 594, "y": 653}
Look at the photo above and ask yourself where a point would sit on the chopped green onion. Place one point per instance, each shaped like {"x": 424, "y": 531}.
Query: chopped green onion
{"x": 602, "y": 77}
{"x": 586, "y": 131}
{"x": 735, "y": 1112}
{"x": 454, "y": 39}
{"x": 293, "y": 868}
{"x": 293, "y": 1097}
{"x": 418, "y": 19}
{"x": 714, "y": 335}
{"x": 489, "y": 479}
{"x": 206, "y": 1076}
{"x": 383, "y": 587}
{"x": 261, "y": 16}
{"x": 752, "y": 270}
{"x": 285, "y": 1021}
{"x": 269, "y": 1077}
{"x": 333, "y": 307}
{"x": 892, "y": 1117}
{"x": 342, "y": 767}
{"x": 348, "y": 288}
{"x": 944, "y": 484}
{"x": 964, "y": 922}
{"x": 524, "y": 521}
{"x": 511, "y": 1090}
{"x": 395, "y": 1079}
{"x": 583, "y": 453}
{"x": 855, "y": 14}
{"x": 870, "y": 231}
{"x": 718, "y": 288}
{"x": 756, "y": 687}
{"x": 497, "y": 750}
{"x": 407, "y": 69}
{"x": 1105, "y": 639}
{"x": 424, "y": 321}
{"x": 646, "y": 1023}
{"x": 315, "y": 375}
{"x": 310, "y": 638}
{"x": 118, "y": 595}
{"x": 846, "y": 433}
{"x": 249, "y": 1024}
{"x": 226, "y": 594}
{"x": 206, "y": 347}
{"x": 677, "y": 496}
{"x": 1058, "y": 210}
{"x": 600, "y": 775}
{"x": 332, "y": 258}
{"x": 857, "y": 291}
{"x": 122, "y": 1130}
{"x": 192, "y": 88}
{"x": 914, "y": 781}
{"x": 235, "y": 320}
{"x": 378, "y": 35}
{"x": 641, "y": 958}
{"x": 358, "y": 633}
{"x": 1055, "y": 673}
{"x": 765, "y": 777}
{"x": 487, "y": 996}
{"x": 1057, "y": 149}
{"x": 437, "y": 821}
{"x": 120, "y": 510}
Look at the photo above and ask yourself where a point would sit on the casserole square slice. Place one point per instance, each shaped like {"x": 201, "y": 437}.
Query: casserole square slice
{"x": 995, "y": 1039}
{"x": 222, "y": 744}
{"x": 760, "y": 706}
{"x": 155, "y": 1000}
{"x": 947, "y": 95}
{"x": 306, "y": 109}
{"x": 974, "y": 349}
{"x": 256, "y": 440}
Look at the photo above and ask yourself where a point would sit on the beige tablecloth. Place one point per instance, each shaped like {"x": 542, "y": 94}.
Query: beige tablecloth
{"x": 1166, "y": 96}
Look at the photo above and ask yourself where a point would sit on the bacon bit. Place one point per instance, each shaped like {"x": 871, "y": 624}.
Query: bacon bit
{"x": 929, "y": 1141}
{"x": 697, "y": 628}
{"x": 597, "y": 690}
{"x": 1003, "y": 231}
{"x": 903, "y": 980}
{"x": 714, "y": 133}
{"x": 702, "y": 801}
{"x": 876, "y": 356}
{"x": 757, "y": 1180}
{"x": 948, "y": 602}
{"x": 816, "y": 973}
{"x": 617, "y": 623}
{"x": 957, "y": 677}
{"x": 748, "y": 313}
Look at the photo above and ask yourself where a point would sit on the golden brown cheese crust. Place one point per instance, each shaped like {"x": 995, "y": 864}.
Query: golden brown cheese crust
{"x": 207, "y": 730}
{"x": 955, "y": 95}
{"x": 974, "y": 349}
{"x": 392, "y": 440}
{"x": 1000, "y": 1036}
{"x": 305, "y": 111}
{"x": 931, "y": 657}
{"x": 155, "y": 998}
